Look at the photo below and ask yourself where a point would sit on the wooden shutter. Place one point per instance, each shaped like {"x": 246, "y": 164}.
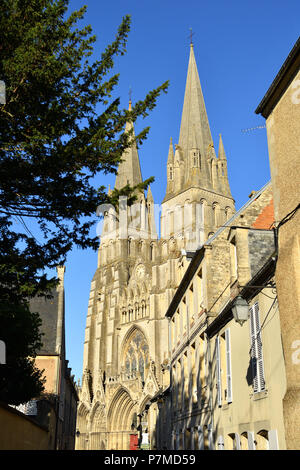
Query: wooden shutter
{"x": 256, "y": 350}
{"x": 228, "y": 366}
{"x": 218, "y": 366}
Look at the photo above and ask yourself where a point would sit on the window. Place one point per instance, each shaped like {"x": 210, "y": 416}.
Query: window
{"x": 174, "y": 385}
{"x": 201, "y": 370}
{"x": 184, "y": 316}
{"x": 257, "y": 365}
{"x": 136, "y": 355}
{"x": 262, "y": 441}
{"x": 233, "y": 440}
{"x": 244, "y": 441}
{"x": 151, "y": 252}
{"x": 179, "y": 383}
{"x": 186, "y": 397}
{"x": 223, "y": 365}
{"x": 193, "y": 373}
{"x": 199, "y": 292}
{"x": 191, "y": 306}
{"x": 233, "y": 260}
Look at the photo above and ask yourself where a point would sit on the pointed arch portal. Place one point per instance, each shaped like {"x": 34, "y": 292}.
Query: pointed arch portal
{"x": 120, "y": 419}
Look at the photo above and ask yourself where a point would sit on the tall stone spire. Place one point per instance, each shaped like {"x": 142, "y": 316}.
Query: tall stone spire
{"x": 194, "y": 121}
{"x": 129, "y": 171}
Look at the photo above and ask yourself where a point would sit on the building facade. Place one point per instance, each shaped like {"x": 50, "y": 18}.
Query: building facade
{"x": 56, "y": 409}
{"x": 227, "y": 380}
{"x": 126, "y": 351}
{"x": 281, "y": 109}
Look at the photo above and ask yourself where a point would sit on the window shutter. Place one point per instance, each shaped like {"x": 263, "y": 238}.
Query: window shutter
{"x": 206, "y": 347}
{"x": 251, "y": 443}
{"x": 210, "y": 437}
{"x": 237, "y": 441}
{"x": 256, "y": 350}
{"x": 218, "y": 365}
{"x": 228, "y": 364}
{"x": 260, "y": 362}
{"x": 200, "y": 438}
{"x": 273, "y": 440}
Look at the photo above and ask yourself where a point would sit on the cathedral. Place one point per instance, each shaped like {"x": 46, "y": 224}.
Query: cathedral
{"x": 143, "y": 254}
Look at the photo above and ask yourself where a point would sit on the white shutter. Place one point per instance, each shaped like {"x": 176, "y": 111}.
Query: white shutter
{"x": 210, "y": 437}
{"x": 273, "y": 440}
{"x": 251, "y": 443}
{"x": 206, "y": 347}
{"x": 260, "y": 362}
{"x": 200, "y": 438}
{"x": 237, "y": 441}
{"x": 218, "y": 366}
{"x": 256, "y": 350}
{"x": 228, "y": 366}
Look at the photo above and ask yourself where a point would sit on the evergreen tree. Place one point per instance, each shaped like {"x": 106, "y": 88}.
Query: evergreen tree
{"x": 59, "y": 127}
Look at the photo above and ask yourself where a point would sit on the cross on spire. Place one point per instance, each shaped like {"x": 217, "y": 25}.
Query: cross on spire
{"x": 191, "y": 36}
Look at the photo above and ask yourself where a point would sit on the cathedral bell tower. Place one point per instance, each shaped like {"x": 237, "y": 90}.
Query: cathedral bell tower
{"x": 197, "y": 181}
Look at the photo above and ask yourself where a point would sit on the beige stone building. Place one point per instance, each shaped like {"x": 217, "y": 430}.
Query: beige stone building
{"x": 227, "y": 380}
{"x": 56, "y": 409}
{"x": 281, "y": 108}
{"x": 126, "y": 349}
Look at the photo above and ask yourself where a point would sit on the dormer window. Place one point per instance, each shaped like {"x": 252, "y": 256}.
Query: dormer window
{"x": 171, "y": 173}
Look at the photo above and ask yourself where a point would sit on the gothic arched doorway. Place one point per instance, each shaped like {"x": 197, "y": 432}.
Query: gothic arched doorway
{"x": 120, "y": 420}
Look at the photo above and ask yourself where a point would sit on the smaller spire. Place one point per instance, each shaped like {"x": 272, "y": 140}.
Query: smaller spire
{"x": 221, "y": 153}
{"x": 151, "y": 214}
{"x": 171, "y": 152}
{"x": 150, "y": 195}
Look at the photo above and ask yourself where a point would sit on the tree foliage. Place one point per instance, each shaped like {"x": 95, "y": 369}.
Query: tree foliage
{"x": 54, "y": 139}
{"x": 20, "y": 379}
{"x": 60, "y": 126}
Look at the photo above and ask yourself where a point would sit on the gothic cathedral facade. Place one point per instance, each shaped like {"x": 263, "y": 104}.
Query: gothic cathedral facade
{"x": 126, "y": 348}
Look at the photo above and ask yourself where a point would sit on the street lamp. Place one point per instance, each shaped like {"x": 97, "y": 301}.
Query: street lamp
{"x": 240, "y": 310}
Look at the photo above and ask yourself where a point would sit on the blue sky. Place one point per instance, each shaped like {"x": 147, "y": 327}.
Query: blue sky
{"x": 239, "y": 48}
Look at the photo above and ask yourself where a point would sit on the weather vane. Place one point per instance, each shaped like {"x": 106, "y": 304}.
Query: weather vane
{"x": 130, "y": 93}
{"x": 191, "y": 36}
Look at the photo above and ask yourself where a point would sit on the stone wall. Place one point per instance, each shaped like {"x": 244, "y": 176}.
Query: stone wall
{"x": 19, "y": 432}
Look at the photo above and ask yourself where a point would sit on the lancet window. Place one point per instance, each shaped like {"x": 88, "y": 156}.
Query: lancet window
{"x": 136, "y": 355}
